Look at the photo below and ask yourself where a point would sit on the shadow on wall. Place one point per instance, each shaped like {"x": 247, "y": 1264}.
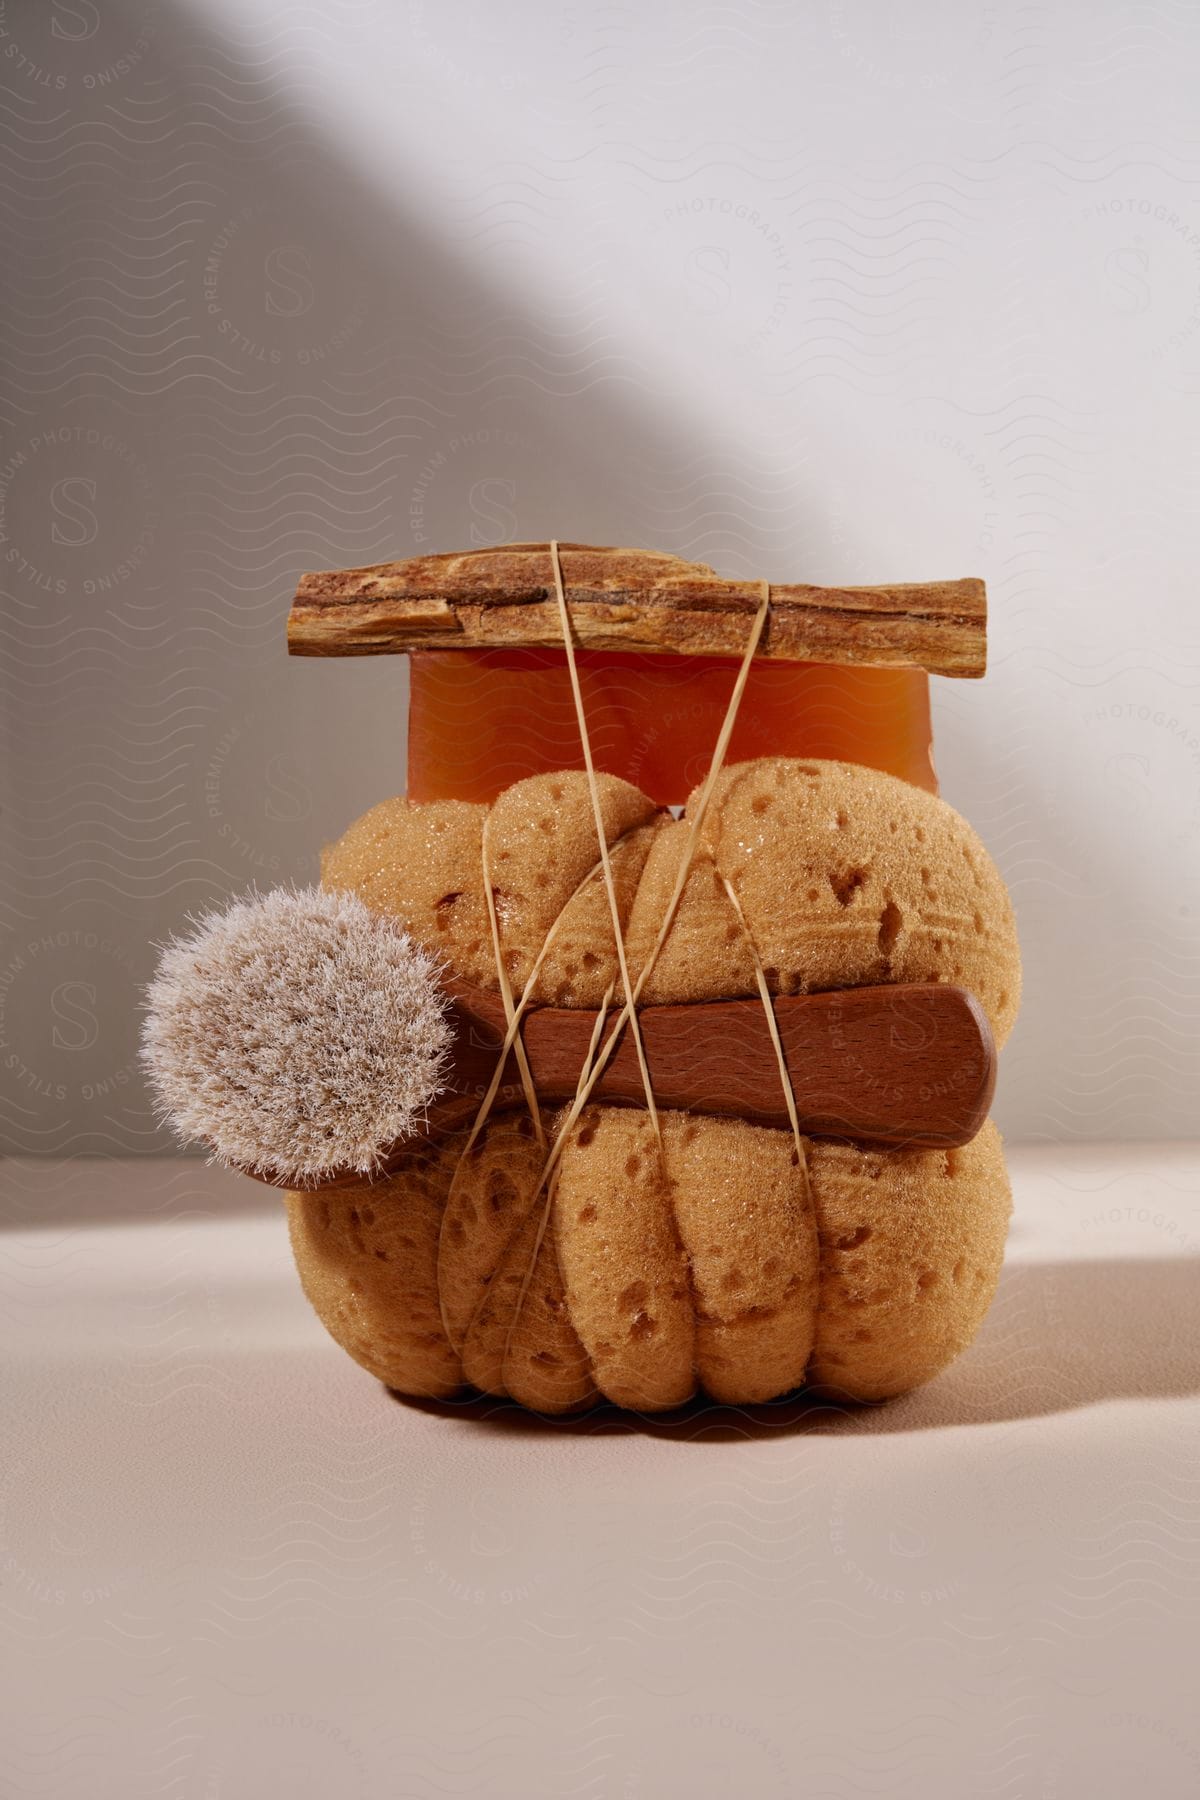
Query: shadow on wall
{"x": 303, "y": 366}
{"x": 330, "y": 272}
{"x": 1059, "y": 1336}
{"x": 317, "y": 363}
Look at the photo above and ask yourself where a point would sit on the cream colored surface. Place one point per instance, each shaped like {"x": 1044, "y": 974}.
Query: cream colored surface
{"x": 233, "y": 1566}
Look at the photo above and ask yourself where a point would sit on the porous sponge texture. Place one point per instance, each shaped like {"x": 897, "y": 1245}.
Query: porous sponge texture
{"x": 724, "y": 1263}
{"x": 844, "y": 876}
{"x": 423, "y": 864}
{"x": 736, "y": 1271}
{"x": 911, "y": 1247}
{"x": 368, "y": 1263}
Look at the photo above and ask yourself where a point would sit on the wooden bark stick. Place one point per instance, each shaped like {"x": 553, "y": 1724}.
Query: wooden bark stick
{"x": 912, "y": 1065}
{"x": 638, "y": 600}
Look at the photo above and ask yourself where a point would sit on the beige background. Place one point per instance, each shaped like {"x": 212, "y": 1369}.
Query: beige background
{"x": 234, "y": 1567}
{"x": 826, "y": 291}
{"x": 836, "y": 290}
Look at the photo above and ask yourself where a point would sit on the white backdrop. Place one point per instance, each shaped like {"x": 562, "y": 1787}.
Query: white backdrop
{"x": 837, "y": 291}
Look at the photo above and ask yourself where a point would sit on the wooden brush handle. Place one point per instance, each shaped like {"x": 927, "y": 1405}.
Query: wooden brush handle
{"x": 908, "y": 1066}
{"x": 898, "y": 1065}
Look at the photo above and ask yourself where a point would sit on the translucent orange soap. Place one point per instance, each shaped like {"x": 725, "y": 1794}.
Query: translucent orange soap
{"x": 481, "y": 719}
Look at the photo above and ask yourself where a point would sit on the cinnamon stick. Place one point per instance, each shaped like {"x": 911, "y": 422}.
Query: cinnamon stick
{"x": 639, "y": 600}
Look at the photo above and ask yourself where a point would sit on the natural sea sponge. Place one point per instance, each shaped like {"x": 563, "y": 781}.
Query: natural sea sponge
{"x": 741, "y": 1274}
{"x": 725, "y": 1261}
{"x": 745, "y": 1216}
{"x": 844, "y": 876}
{"x": 911, "y": 1247}
{"x": 423, "y": 864}
{"x": 368, "y": 1263}
{"x": 847, "y": 876}
{"x": 541, "y": 842}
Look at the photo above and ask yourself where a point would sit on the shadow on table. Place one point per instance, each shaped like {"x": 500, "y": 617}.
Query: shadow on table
{"x": 1060, "y": 1336}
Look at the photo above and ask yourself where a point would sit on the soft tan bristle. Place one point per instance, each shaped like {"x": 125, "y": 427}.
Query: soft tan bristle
{"x": 296, "y": 1033}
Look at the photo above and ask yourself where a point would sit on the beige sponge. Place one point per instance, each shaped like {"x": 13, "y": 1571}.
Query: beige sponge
{"x": 737, "y": 1271}
{"x": 721, "y": 1260}
{"x": 844, "y": 877}
{"x": 423, "y": 864}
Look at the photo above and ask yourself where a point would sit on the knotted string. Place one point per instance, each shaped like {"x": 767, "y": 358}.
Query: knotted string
{"x": 602, "y": 839}
{"x": 597, "y": 1059}
{"x": 506, "y": 993}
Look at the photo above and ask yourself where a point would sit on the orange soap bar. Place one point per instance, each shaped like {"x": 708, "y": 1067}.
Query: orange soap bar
{"x": 482, "y": 719}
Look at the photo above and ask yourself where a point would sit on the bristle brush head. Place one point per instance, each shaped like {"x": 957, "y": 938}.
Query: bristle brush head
{"x": 296, "y": 1033}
